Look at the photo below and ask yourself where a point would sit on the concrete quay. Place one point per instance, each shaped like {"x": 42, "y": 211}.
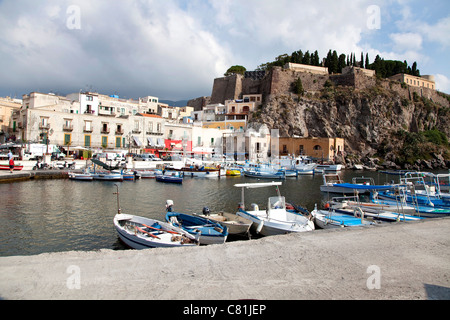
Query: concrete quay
{"x": 398, "y": 261}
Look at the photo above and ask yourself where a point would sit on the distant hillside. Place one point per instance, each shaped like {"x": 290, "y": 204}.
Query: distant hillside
{"x": 180, "y": 103}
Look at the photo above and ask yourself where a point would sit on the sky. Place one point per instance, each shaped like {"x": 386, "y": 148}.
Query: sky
{"x": 174, "y": 49}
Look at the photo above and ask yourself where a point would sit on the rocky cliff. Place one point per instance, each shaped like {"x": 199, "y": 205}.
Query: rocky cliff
{"x": 384, "y": 124}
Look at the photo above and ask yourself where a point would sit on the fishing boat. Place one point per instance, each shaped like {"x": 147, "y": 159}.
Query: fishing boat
{"x": 81, "y": 176}
{"x": 233, "y": 172}
{"x": 142, "y": 233}
{"x": 126, "y": 174}
{"x": 6, "y": 167}
{"x": 148, "y": 174}
{"x": 328, "y": 219}
{"x": 357, "y": 208}
{"x": 205, "y": 230}
{"x": 332, "y": 183}
{"x": 276, "y": 219}
{"x": 170, "y": 177}
{"x": 196, "y": 171}
{"x": 107, "y": 176}
{"x": 236, "y": 225}
{"x": 264, "y": 174}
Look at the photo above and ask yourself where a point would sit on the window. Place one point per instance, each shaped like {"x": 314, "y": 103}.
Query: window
{"x": 317, "y": 147}
{"x": 150, "y": 127}
{"x": 67, "y": 139}
{"x": 199, "y": 141}
{"x": 87, "y": 140}
{"x": 89, "y": 98}
{"x": 122, "y": 111}
{"x": 158, "y": 127}
{"x": 284, "y": 148}
{"x": 104, "y": 141}
{"x": 118, "y": 141}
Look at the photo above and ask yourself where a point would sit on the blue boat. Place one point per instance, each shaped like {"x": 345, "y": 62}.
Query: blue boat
{"x": 205, "y": 230}
{"x": 265, "y": 174}
{"x": 170, "y": 178}
{"x": 326, "y": 219}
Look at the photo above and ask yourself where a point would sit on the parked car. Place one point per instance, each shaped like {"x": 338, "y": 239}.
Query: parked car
{"x": 146, "y": 157}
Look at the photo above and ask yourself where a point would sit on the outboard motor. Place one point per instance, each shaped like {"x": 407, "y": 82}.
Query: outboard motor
{"x": 206, "y": 211}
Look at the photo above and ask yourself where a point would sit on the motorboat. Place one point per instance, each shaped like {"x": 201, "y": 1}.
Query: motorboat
{"x": 205, "y": 230}
{"x": 276, "y": 219}
{"x": 170, "y": 177}
{"x": 236, "y": 225}
{"x": 330, "y": 218}
{"x": 142, "y": 233}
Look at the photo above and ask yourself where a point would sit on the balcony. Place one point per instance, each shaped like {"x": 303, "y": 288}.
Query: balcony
{"x": 89, "y": 130}
{"x": 136, "y": 131}
{"x": 105, "y": 131}
{"x": 44, "y": 126}
{"x": 119, "y": 132}
{"x": 67, "y": 127}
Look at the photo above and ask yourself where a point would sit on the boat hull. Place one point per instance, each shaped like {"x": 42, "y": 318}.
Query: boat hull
{"x": 236, "y": 225}
{"x": 271, "y": 227}
{"x": 81, "y": 176}
{"x": 169, "y": 179}
{"x": 6, "y": 167}
{"x": 137, "y": 240}
{"x": 206, "y": 231}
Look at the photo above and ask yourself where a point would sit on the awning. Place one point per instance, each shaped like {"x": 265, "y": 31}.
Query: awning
{"x": 160, "y": 142}
{"x": 137, "y": 141}
{"x": 150, "y": 142}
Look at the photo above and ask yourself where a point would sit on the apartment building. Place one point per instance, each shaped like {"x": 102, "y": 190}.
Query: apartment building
{"x": 87, "y": 119}
{"x": 7, "y": 127}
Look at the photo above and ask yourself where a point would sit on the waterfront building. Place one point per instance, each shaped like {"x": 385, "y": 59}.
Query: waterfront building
{"x": 7, "y": 127}
{"x": 90, "y": 120}
{"x": 325, "y": 149}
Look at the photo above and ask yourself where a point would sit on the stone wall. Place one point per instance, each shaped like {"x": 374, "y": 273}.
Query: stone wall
{"x": 199, "y": 103}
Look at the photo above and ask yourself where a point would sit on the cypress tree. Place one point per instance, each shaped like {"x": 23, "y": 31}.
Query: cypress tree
{"x": 367, "y": 61}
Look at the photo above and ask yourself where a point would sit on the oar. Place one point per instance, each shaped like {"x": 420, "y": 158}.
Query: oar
{"x": 168, "y": 231}
{"x": 143, "y": 231}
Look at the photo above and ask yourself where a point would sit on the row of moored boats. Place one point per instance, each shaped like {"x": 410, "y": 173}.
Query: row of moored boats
{"x": 413, "y": 199}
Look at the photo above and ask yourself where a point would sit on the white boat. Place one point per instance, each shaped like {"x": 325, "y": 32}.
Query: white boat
{"x": 142, "y": 233}
{"x": 83, "y": 176}
{"x": 371, "y": 211}
{"x": 236, "y": 225}
{"x": 329, "y": 167}
{"x": 275, "y": 219}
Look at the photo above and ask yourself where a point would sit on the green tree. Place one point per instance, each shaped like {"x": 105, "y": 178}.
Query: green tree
{"x": 341, "y": 63}
{"x": 367, "y": 61}
{"x": 298, "y": 87}
{"x": 235, "y": 70}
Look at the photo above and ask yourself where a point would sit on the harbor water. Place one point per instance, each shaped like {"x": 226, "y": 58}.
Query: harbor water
{"x": 39, "y": 216}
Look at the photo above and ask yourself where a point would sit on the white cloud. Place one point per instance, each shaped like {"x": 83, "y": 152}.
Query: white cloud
{"x": 175, "y": 48}
{"x": 442, "y": 83}
{"x": 406, "y": 41}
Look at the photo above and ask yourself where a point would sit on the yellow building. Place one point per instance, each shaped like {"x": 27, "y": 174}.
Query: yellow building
{"x": 319, "y": 148}
{"x": 423, "y": 81}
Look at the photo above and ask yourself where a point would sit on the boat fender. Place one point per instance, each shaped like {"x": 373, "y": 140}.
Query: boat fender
{"x": 327, "y": 206}
{"x": 260, "y": 226}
